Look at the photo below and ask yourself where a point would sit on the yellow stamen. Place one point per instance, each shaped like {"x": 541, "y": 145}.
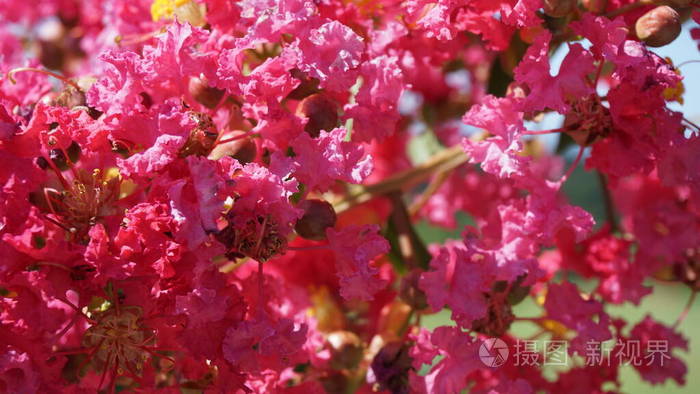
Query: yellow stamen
{"x": 185, "y": 10}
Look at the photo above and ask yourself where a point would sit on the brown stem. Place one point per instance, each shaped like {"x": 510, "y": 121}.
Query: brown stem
{"x": 412, "y": 251}
{"x": 541, "y": 132}
{"x": 577, "y": 160}
{"x": 686, "y": 310}
{"x": 443, "y": 161}
{"x": 11, "y": 76}
{"x": 608, "y": 202}
{"x": 434, "y": 185}
{"x": 630, "y": 7}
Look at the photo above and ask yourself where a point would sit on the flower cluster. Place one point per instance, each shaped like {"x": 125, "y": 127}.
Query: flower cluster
{"x": 220, "y": 196}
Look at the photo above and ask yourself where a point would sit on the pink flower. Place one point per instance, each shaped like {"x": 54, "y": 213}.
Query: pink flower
{"x": 211, "y": 309}
{"x": 565, "y": 305}
{"x": 458, "y": 279}
{"x": 331, "y": 53}
{"x": 323, "y": 160}
{"x": 546, "y": 91}
{"x": 521, "y": 13}
{"x": 498, "y": 155}
{"x": 460, "y": 351}
{"x": 375, "y": 114}
{"x": 355, "y": 247}
{"x": 606, "y": 36}
{"x": 657, "y": 343}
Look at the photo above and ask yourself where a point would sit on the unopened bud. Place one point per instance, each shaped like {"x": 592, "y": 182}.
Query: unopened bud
{"x": 204, "y": 94}
{"x": 239, "y": 147}
{"x": 390, "y": 368}
{"x": 318, "y": 216}
{"x": 595, "y": 6}
{"x": 558, "y": 8}
{"x": 659, "y": 26}
{"x": 321, "y": 112}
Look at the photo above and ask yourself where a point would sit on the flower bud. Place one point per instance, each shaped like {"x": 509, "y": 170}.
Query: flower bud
{"x": 321, "y": 112}
{"x": 659, "y": 26}
{"x": 390, "y": 368}
{"x": 318, "y": 216}
{"x": 595, "y": 6}
{"x": 242, "y": 149}
{"x": 558, "y": 8}
{"x": 204, "y": 94}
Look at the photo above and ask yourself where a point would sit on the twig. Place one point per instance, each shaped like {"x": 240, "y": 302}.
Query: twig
{"x": 629, "y": 7}
{"x": 607, "y": 200}
{"x": 443, "y": 161}
{"x": 686, "y": 310}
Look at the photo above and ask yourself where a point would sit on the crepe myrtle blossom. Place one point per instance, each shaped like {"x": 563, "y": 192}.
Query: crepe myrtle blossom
{"x": 219, "y": 196}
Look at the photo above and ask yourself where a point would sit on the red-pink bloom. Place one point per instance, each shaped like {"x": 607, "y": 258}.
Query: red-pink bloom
{"x": 565, "y": 305}
{"x": 331, "y": 53}
{"x": 355, "y": 247}
{"x": 460, "y": 351}
{"x": 144, "y": 241}
{"x": 374, "y": 113}
{"x": 547, "y": 91}
{"x": 458, "y": 279}
{"x": 521, "y": 13}
{"x": 498, "y": 155}
{"x": 657, "y": 342}
{"x": 606, "y": 36}
{"x": 212, "y": 307}
{"x": 323, "y": 160}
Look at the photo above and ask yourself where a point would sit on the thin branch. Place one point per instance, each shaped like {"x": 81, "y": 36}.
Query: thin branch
{"x": 630, "y": 7}
{"x": 608, "y": 201}
{"x": 686, "y": 310}
{"x": 11, "y": 76}
{"x": 443, "y": 161}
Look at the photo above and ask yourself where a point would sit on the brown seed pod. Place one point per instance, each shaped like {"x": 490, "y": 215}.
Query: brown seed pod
{"x": 659, "y": 26}
{"x": 318, "y": 216}
{"x": 391, "y": 367}
{"x": 204, "y": 94}
{"x": 321, "y": 112}
{"x": 244, "y": 149}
